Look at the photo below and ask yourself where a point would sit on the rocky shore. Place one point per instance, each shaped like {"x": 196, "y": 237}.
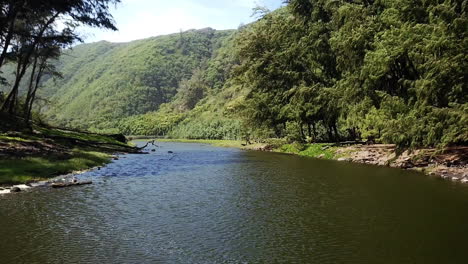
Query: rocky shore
{"x": 449, "y": 163}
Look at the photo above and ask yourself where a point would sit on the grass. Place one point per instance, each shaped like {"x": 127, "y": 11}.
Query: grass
{"x": 4, "y": 137}
{"x": 322, "y": 150}
{"x": 79, "y": 135}
{"x": 40, "y": 168}
{"x": 68, "y": 156}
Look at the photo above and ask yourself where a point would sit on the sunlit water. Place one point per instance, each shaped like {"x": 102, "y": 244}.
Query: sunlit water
{"x": 203, "y": 204}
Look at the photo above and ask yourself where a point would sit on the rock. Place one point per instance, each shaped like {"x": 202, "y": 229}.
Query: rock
{"x": 63, "y": 185}
{"x": 406, "y": 164}
{"x": 321, "y": 156}
{"x": 455, "y": 179}
{"x": 344, "y": 159}
{"x": 443, "y": 176}
{"x": 15, "y": 189}
{"x": 170, "y": 151}
{"x": 115, "y": 158}
{"x": 1, "y": 189}
{"x": 98, "y": 168}
{"x": 153, "y": 150}
{"x": 464, "y": 180}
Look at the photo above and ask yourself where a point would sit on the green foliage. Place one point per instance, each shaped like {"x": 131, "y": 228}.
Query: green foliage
{"x": 220, "y": 128}
{"x": 313, "y": 71}
{"x": 309, "y": 150}
{"x": 391, "y": 71}
{"x": 153, "y": 123}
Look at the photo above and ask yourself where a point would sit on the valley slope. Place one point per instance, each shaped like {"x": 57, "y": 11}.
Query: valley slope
{"x": 107, "y": 86}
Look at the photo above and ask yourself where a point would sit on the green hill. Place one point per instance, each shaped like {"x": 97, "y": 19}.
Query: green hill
{"x": 104, "y": 82}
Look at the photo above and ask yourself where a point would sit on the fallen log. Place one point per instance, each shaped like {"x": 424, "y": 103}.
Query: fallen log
{"x": 69, "y": 184}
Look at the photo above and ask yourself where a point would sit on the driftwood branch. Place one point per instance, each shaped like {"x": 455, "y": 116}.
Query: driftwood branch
{"x": 147, "y": 143}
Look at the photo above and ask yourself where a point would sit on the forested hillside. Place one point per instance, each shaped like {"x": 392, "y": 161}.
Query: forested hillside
{"x": 105, "y": 82}
{"x": 387, "y": 71}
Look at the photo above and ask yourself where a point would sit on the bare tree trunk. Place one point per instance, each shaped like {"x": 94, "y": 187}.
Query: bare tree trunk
{"x": 314, "y": 131}
{"x": 337, "y": 135}
{"x": 301, "y": 129}
{"x": 30, "y": 87}
{"x": 10, "y": 101}
{"x": 36, "y": 86}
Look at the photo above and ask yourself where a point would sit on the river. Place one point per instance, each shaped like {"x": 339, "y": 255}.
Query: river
{"x": 203, "y": 204}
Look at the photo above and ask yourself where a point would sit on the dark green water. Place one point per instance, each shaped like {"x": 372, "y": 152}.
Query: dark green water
{"x": 216, "y": 205}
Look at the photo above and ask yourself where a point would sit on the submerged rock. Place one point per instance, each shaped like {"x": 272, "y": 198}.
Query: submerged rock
{"x": 345, "y": 159}
{"x": 15, "y": 189}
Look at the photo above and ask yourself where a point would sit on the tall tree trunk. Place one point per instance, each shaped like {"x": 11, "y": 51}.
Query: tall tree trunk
{"x": 309, "y": 130}
{"x": 301, "y": 129}
{"x": 10, "y": 102}
{"x": 30, "y": 87}
{"x": 36, "y": 86}
{"x": 337, "y": 135}
{"x": 314, "y": 131}
{"x": 330, "y": 133}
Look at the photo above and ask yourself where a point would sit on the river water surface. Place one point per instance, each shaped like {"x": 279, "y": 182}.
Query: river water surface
{"x": 203, "y": 204}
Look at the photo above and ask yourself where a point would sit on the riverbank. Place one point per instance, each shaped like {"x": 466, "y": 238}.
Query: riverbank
{"x": 46, "y": 153}
{"x": 449, "y": 163}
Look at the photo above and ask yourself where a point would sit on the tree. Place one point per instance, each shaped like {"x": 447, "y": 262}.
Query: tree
{"x": 28, "y": 36}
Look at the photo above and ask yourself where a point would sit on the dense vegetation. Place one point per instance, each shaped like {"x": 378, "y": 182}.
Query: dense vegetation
{"x": 387, "y": 71}
{"x": 394, "y": 71}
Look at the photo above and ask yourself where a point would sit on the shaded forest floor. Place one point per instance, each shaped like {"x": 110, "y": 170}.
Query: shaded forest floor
{"x": 44, "y": 153}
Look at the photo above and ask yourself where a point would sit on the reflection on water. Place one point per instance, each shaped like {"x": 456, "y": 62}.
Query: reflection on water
{"x": 203, "y": 204}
